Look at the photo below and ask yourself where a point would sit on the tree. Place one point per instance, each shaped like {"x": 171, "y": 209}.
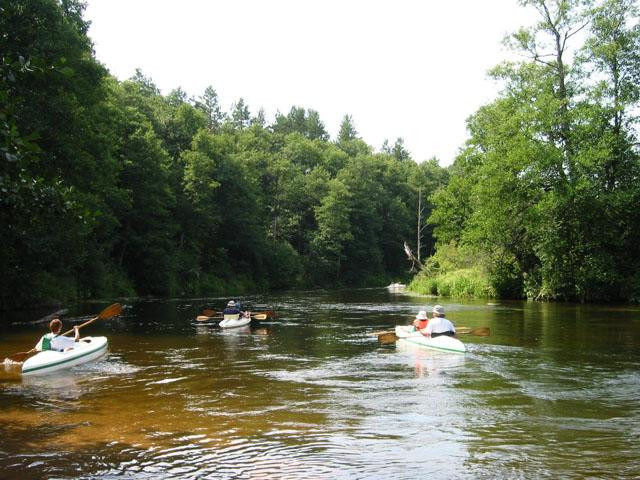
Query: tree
{"x": 347, "y": 131}
{"x": 240, "y": 115}
{"x": 210, "y": 105}
{"x": 333, "y": 232}
{"x": 546, "y": 162}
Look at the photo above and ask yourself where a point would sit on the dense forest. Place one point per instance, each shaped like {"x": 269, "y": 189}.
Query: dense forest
{"x": 110, "y": 188}
{"x": 543, "y": 200}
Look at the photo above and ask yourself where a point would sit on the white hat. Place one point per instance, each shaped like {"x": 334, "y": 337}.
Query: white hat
{"x": 439, "y": 309}
{"x": 422, "y": 315}
{"x": 231, "y": 303}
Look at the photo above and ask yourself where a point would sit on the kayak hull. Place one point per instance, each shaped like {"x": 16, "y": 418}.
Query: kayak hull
{"x": 441, "y": 343}
{"x": 51, "y": 361}
{"x": 234, "y": 321}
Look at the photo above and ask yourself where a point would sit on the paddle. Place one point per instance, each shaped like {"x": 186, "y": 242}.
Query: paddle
{"x": 21, "y": 356}
{"x": 389, "y": 336}
{"x": 110, "y": 311}
{"x": 208, "y": 314}
{"x": 479, "y": 331}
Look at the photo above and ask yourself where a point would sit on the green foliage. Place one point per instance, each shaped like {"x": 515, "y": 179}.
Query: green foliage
{"x": 454, "y": 272}
{"x": 545, "y": 189}
{"x": 111, "y": 188}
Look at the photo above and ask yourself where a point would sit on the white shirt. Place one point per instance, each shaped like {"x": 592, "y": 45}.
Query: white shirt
{"x": 58, "y": 343}
{"x": 439, "y": 325}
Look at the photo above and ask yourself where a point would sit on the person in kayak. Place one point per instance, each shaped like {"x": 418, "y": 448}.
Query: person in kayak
{"x": 233, "y": 309}
{"x": 438, "y": 325}
{"x": 55, "y": 341}
{"x": 421, "y": 320}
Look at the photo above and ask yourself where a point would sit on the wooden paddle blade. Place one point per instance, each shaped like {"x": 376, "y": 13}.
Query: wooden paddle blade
{"x": 259, "y": 316}
{"x": 204, "y": 318}
{"x": 20, "y": 356}
{"x": 207, "y": 312}
{"x": 479, "y": 331}
{"x": 111, "y": 311}
{"x": 387, "y": 337}
{"x": 380, "y": 332}
{"x": 267, "y": 314}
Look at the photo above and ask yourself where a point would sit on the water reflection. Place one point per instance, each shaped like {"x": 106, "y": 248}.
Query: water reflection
{"x": 427, "y": 362}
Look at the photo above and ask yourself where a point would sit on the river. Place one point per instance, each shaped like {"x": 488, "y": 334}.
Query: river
{"x": 553, "y": 392}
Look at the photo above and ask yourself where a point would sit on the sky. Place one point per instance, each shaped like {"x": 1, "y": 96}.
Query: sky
{"x": 414, "y": 69}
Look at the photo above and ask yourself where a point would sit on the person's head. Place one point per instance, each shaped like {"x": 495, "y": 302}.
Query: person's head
{"x": 422, "y": 315}
{"x": 55, "y": 326}
{"x": 438, "y": 311}
{"x": 231, "y": 303}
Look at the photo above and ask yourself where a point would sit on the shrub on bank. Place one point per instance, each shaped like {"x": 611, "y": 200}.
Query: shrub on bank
{"x": 466, "y": 283}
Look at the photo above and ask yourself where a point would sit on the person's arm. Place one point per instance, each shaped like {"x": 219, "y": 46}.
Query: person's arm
{"x": 77, "y": 330}
{"x": 426, "y": 331}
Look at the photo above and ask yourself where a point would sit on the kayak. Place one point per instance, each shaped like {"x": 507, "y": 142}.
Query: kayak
{"x": 444, "y": 343}
{"x": 86, "y": 350}
{"x": 234, "y": 321}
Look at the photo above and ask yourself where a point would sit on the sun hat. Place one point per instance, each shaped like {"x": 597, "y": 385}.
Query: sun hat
{"x": 231, "y": 303}
{"x": 422, "y": 315}
{"x": 439, "y": 309}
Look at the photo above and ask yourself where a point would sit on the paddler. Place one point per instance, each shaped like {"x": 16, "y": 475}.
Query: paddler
{"x": 55, "y": 341}
{"x": 421, "y": 320}
{"x": 438, "y": 325}
{"x": 233, "y": 309}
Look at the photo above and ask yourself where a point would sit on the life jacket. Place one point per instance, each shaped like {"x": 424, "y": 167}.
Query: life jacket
{"x": 46, "y": 341}
{"x": 420, "y": 324}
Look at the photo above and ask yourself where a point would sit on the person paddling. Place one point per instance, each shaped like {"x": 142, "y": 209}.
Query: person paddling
{"x": 55, "y": 341}
{"x": 439, "y": 325}
{"x": 421, "y": 320}
{"x": 233, "y": 309}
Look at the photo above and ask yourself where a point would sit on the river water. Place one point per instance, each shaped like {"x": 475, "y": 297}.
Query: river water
{"x": 553, "y": 392}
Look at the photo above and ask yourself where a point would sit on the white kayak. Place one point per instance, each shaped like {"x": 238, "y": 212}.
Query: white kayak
{"x": 234, "y": 321}
{"x": 443, "y": 343}
{"x": 86, "y": 350}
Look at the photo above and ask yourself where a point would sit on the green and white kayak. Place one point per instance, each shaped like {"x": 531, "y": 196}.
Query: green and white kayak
{"x": 407, "y": 333}
{"x": 86, "y": 350}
